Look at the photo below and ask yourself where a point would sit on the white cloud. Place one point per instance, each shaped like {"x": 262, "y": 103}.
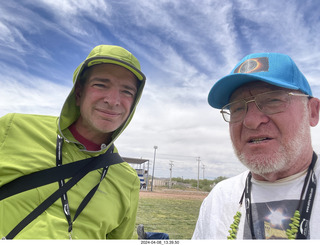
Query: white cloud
{"x": 33, "y": 96}
{"x": 72, "y": 15}
{"x": 183, "y": 46}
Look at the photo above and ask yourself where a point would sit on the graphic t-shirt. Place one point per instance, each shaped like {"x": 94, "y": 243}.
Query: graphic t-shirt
{"x": 273, "y": 206}
{"x": 271, "y": 217}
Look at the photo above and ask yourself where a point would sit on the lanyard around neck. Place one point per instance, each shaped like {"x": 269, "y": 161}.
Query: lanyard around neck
{"x": 309, "y": 185}
{"x": 64, "y": 197}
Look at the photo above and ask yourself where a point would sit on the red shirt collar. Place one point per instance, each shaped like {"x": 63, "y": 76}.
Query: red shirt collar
{"x": 90, "y": 146}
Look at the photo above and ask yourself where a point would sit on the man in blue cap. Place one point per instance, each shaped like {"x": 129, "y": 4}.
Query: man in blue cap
{"x": 269, "y": 106}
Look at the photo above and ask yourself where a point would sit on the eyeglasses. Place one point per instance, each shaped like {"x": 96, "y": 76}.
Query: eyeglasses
{"x": 269, "y": 103}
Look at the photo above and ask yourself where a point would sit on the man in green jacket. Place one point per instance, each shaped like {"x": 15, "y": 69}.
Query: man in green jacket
{"x": 106, "y": 91}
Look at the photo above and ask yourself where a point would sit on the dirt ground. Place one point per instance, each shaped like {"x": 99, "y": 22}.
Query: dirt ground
{"x": 176, "y": 194}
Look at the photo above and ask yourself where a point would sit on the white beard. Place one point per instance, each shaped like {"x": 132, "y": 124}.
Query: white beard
{"x": 286, "y": 156}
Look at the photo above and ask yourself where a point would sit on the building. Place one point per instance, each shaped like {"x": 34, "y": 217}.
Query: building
{"x": 142, "y": 168}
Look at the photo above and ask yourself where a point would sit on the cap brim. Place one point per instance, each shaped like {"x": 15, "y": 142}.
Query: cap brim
{"x": 222, "y": 90}
{"x": 109, "y": 60}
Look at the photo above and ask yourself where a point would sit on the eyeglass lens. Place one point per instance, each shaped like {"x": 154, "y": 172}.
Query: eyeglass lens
{"x": 268, "y": 103}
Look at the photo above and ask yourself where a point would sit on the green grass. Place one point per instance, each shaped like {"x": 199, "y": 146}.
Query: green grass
{"x": 177, "y": 217}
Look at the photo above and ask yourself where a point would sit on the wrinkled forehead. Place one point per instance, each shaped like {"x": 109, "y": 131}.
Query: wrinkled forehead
{"x": 253, "y": 88}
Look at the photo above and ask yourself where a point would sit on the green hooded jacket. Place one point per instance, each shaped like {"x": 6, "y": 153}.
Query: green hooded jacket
{"x": 28, "y": 144}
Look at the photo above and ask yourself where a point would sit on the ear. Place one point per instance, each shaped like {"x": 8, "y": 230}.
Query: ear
{"x": 78, "y": 93}
{"x": 314, "y": 107}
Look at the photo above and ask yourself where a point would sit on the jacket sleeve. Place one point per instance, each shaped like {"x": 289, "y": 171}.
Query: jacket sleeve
{"x": 126, "y": 228}
{"x": 5, "y": 123}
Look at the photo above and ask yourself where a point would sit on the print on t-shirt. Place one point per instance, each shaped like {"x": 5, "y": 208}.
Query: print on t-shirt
{"x": 271, "y": 220}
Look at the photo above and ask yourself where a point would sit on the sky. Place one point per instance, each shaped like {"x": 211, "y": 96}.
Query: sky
{"x": 184, "y": 47}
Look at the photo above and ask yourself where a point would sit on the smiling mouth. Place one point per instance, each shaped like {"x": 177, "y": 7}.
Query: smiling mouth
{"x": 259, "y": 140}
{"x": 109, "y": 113}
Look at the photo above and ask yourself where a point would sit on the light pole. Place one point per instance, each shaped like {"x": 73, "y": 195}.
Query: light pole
{"x": 203, "y": 167}
{"x": 147, "y": 185}
{"x": 198, "y": 159}
{"x": 171, "y": 165}
{"x": 154, "y": 163}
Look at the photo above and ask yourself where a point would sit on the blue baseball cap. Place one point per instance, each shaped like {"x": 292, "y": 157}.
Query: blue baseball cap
{"x": 273, "y": 68}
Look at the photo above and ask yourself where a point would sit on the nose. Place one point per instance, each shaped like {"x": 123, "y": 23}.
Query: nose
{"x": 254, "y": 117}
{"x": 112, "y": 97}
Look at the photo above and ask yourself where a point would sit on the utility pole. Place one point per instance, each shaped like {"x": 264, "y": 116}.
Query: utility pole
{"x": 171, "y": 164}
{"x": 198, "y": 159}
{"x": 154, "y": 163}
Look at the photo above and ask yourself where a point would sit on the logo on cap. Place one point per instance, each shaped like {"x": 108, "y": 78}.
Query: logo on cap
{"x": 253, "y": 65}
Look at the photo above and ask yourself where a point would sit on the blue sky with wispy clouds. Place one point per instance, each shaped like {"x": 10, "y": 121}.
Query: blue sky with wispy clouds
{"x": 184, "y": 46}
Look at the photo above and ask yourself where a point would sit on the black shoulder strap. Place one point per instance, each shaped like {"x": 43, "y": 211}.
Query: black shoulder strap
{"x": 93, "y": 163}
{"x": 54, "y": 174}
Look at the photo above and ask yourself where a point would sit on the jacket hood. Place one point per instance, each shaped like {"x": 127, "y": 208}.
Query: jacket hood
{"x": 102, "y": 54}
